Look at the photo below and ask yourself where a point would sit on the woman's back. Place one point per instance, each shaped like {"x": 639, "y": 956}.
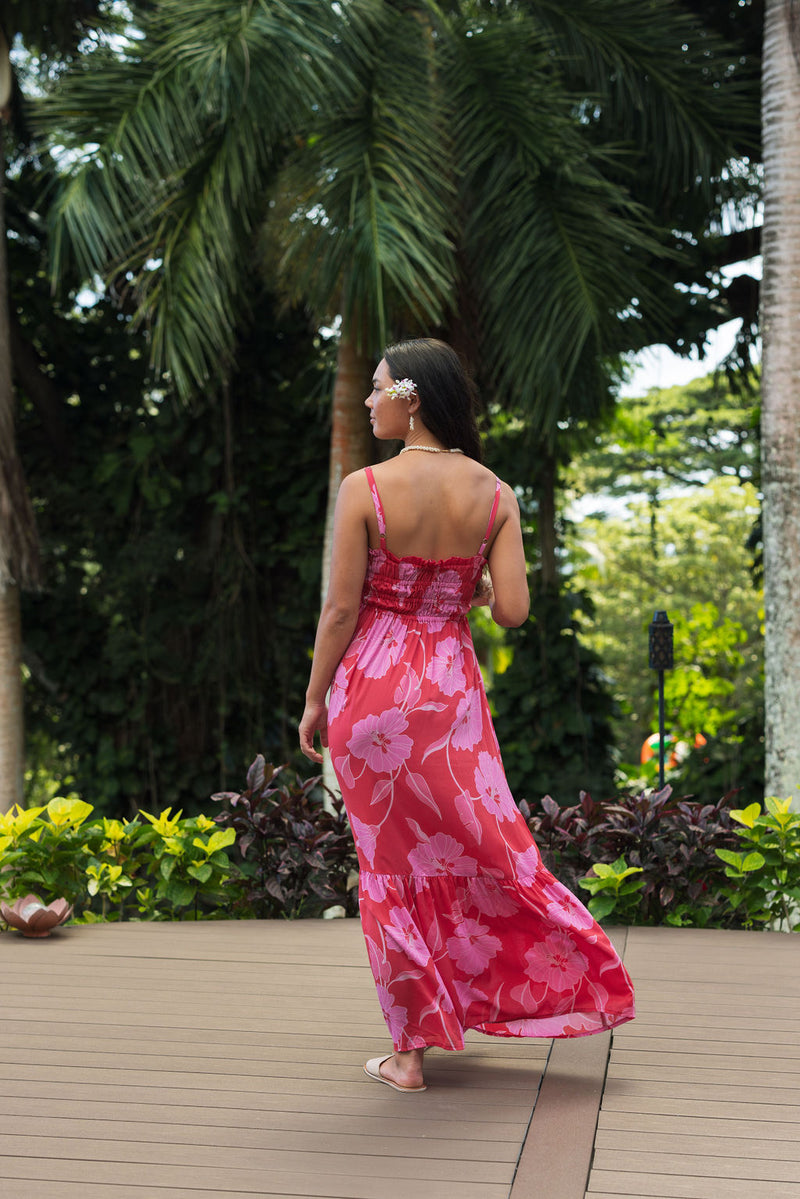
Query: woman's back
{"x": 434, "y": 509}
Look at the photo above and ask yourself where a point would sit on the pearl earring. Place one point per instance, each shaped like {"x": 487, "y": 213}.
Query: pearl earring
{"x": 411, "y": 423}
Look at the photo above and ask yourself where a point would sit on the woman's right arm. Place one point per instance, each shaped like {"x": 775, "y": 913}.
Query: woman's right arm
{"x": 339, "y": 614}
{"x": 507, "y": 566}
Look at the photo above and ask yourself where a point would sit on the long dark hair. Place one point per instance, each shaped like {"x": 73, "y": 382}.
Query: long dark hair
{"x": 446, "y": 393}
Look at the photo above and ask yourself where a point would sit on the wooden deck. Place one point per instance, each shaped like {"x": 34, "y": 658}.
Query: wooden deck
{"x": 222, "y": 1060}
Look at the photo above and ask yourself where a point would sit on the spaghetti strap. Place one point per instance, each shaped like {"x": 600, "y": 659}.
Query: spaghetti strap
{"x": 492, "y": 515}
{"x": 376, "y": 500}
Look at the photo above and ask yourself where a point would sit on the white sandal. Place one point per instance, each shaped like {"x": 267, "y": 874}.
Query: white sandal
{"x": 373, "y": 1070}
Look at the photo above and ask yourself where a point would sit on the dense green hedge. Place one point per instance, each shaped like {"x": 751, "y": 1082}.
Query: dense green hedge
{"x": 281, "y": 847}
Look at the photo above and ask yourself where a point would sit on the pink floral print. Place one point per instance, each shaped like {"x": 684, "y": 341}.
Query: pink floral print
{"x": 527, "y": 863}
{"x": 404, "y": 933}
{"x": 441, "y": 855}
{"x": 492, "y": 788}
{"x": 396, "y": 1017}
{"x": 386, "y": 644}
{"x": 437, "y": 601}
{"x": 491, "y": 899}
{"x": 381, "y": 741}
{"x": 338, "y": 695}
{"x": 465, "y": 927}
{"x": 473, "y": 946}
{"x": 444, "y": 668}
{"x": 469, "y": 721}
{"x": 556, "y": 962}
{"x": 366, "y": 837}
{"x": 564, "y": 909}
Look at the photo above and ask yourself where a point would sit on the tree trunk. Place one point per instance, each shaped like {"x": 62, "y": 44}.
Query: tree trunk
{"x": 18, "y": 555}
{"x": 780, "y": 427}
{"x": 546, "y": 521}
{"x": 11, "y": 727}
{"x": 350, "y": 431}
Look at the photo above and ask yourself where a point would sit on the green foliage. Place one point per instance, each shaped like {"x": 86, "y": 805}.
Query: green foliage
{"x": 175, "y": 130}
{"x": 673, "y": 843}
{"x": 686, "y": 555}
{"x": 363, "y": 210}
{"x": 551, "y": 706}
{"x": 45, "y": 850}
{"x": 547, "y": 152}
{"x": 296, "y": 852}
{"x": 674, "y": 436}
{"x": 180, "y": 548}
{"x": 733, "y": 760}
{"x": 766, "y": 872}
{"x": 699, "y": 692}
{"x": 173, "y": 864}
{"x": 294, "y": 857}
{"x": 614, "y": 889}
{"x": 189, "y": 866}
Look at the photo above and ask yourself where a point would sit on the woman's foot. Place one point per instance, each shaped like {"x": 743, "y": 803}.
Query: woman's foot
{"x": 403, "y": 1071}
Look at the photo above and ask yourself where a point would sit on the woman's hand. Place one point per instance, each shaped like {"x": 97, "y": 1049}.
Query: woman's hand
{"x": 315, "y": 719}
{"x": 483, "y": 596}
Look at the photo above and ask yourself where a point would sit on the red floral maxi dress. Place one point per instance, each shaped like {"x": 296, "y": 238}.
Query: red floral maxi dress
{"x": 464, "y": 926}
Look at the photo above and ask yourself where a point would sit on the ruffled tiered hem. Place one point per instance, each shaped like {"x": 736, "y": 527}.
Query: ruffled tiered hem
{"x": 506, "y": 957}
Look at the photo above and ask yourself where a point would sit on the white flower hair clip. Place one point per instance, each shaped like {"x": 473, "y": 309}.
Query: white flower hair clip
{"x": 403, "y": 389}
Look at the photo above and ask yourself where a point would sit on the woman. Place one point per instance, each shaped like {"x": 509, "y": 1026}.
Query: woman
{"x": 464, "y": 926}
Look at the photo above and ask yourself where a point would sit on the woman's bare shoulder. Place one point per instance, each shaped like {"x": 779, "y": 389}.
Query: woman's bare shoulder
{"x": 354, "y": 491}
{"x": 508, "y": 498}
{"x": 508, "y": 495}
{"x": 356, "y": 483}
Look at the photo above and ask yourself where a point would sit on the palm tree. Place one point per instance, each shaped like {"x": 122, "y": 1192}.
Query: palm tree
{"x": 512, "y": 174}
{"x": 780, "y": 418}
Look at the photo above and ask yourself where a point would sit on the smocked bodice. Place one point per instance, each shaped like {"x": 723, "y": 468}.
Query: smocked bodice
{"x": 427, "y": 590}
{"x": 431, "y": 590}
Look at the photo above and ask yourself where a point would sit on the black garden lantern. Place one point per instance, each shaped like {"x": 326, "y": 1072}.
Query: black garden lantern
{"x": 661, "y": 659}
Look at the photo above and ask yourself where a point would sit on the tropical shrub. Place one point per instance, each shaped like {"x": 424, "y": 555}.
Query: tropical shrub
{"x": 614, "y": 889}
{"x": 46, "y": 850}
{"x": 189, "y": 867}
{"x": 296, "y": 852}
{"x": 107, "y": 868}
{"x": 766, "y": 872}
{"x": 673, "y": 843}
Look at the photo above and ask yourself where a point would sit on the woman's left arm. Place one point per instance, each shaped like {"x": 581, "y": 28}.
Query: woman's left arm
{"x": 339, "y": 614}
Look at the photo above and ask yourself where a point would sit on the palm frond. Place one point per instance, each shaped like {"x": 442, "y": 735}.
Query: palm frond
{"x": 663, "y": 82}
{"x": 182, "y": 143}
{"x": 557, "y": 247}
{"x": 53, "y": 31}
{"x": 365, "y": 206}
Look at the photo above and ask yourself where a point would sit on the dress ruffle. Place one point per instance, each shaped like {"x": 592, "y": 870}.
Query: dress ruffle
{"x": 500, "y": 956}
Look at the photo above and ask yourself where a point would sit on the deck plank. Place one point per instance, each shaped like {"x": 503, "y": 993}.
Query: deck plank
{"x": 702, "y": 1143}
{"x": 243, "y": 1181}
{"x": 609, "y": 1185}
